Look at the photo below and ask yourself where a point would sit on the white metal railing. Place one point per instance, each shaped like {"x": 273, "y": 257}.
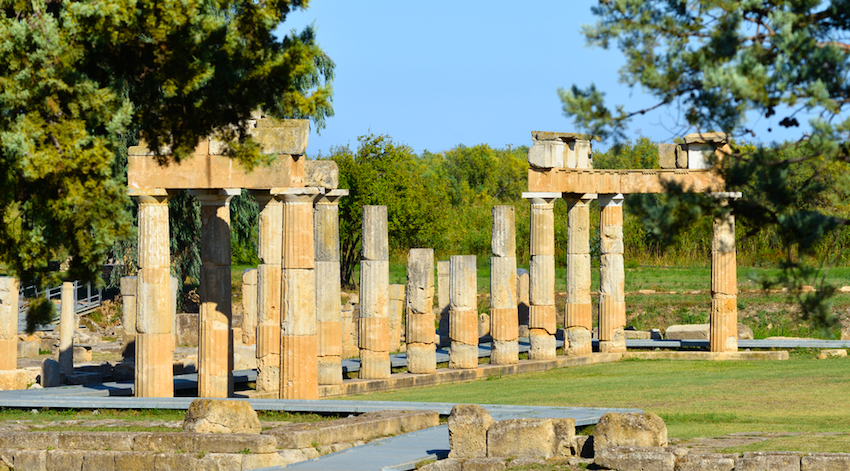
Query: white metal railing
{"x": 86, "y": 299}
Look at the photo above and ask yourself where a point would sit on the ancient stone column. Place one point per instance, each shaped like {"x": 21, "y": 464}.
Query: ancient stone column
{"x": 249, "y": 306}
{"x": 463, "y": 312}
{"x": 723, "y": 336}
{"x": 395, "y": 313}
{"x": 522, "y": 299}
{"x": 374, "y": 295}
{"x": 268, "y": 291}
{"x": 67, "y": 319}
{"x": 612, "y": 291}
{"x": 541, "y": 315}
{"x": 443, "y": 269}
{"x": 578, "y": 313}
{"x": 421, "y": 352}
{"x": 154, "y": 342}
{"x": 504, "y": 322}
{"x": 215, "y": 338}
{"x": 129, "y": 290}
{"x": 328, "y": 306}
{"x": 9, "y": 288}
{"x": 299, "y": 345}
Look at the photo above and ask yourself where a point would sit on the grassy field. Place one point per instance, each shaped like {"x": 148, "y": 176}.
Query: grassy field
{"x": 695, "y": 398}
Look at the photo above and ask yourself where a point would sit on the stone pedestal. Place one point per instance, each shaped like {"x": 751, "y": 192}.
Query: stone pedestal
{"x": 421, "y": 353}
{"x": 249, "y": 306}
{"x": 443, "y": 269}
{"x": 578, "y": 320}
{"x": 541, "y": 317}
{"x": 328, "y": 307}
{"x": 215, "y": 339}
{"x": 504, "y": 325}
{"x": 67, "y": 321}
{"x": 129, "y": 291}
{"x": 463, "y": 312}
{"x": 723, "y": 336}
{"x": 154, "y": 342}
{"x": 9, "y": 288}
{"x": 374, "y": 295}
{"x": 612, "y": 301}
{"x": 268, "y": 291}
{"x": 299, "y": 345}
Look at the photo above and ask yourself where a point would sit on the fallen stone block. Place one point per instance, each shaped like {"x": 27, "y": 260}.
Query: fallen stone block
{"x": 468, "y": 425}
{"x": 532, "y": 438}
{"x": 629, "y": 430}
{"x": 28, "y": 348}
{"x": 82, "y": 353}
{"x": 832, "y": 353}
{"x": 221, "y": 416}
{"x": 635, "y": 459}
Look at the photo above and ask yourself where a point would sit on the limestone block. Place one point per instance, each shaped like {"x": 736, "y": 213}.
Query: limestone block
{"x": 154, "y": 373}
{"x": 611, "y": 241}
{"x": 13, "y": 379}
{"x": 421, "y": 358}
{"x": 463, "y": 288}
{"x": 70, "y": 440}
{"x": 8, "y": 354}
{"x": 463, "y": 356}
{"x": 542, "y": 280}
{"x": 463, "y": 326}
{"x": 542, "y": 345}
{"x": 374, "y": 239}
{"x": 542, "y": 229}
{"x": 262, "y": 460}
{"x": 825, "y": 462}
{"x": 706, "y": 462}
{"x": 58, "y": 459}
{"x": 582, "y": 150}
{"x": 504, "y": 324}
{"x": 629, "y": 429}
{"x": 420, "y": 328}
{"x": 449, "y": 464}
{"x": 374, "y": 288}
{"x": 468, "y": 425}
{"x": 374, "y": 334}
{"x": 832, "y": 353}
{"x": 221, "y": 416}
{"x": 298, "y": 367}
{"x": 564, "y": 437}
{"x": 153, "y": 304}
{"x": 326, "y": 231}
{"x": 503, "y": 236}
{"x": 503, "y": 282}
{"x": 615, "y": 343}
{"x": 374, "y": 364}
{"x": 268, "y": 294}
{"x": 321, "y": 173}
{"x": 667, "y": 155}
{"x": 328, "y": 306}
{"x": 135, "y": 461}
{"x": 774, "y": 461}
{"x": 578, "y": 278}
{"x": 578, "y": 226}
{"x": 504, "y": 352}
{"x": 700, "y": 156}
{"x": 245, "y": 357}
{"x": 330, "y": 338}
{"x": 546, "y": 154}
{"x": 542, "y": 317}
{"x": 81, "y": 354}
{"x": 298, "y": 301}
{"x": 297, "y": 250}
{"x": 420, "y": 281}
{"x": 521, "y": 438}
{"x": 26, "y": 348}
{"x": 285, "y": 136}
{"x": 687, "y": 332}
{"x": 635, "y": 459}
{"x": 270, "y": 222}
{"x": 187, "y": 329}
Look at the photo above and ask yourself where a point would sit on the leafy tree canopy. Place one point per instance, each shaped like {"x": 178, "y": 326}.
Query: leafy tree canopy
{"x": 78, "y": 78}
{"x": 718, "y": 60}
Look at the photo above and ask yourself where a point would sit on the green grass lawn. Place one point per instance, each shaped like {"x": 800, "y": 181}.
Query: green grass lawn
{"x": 695, "y": 398}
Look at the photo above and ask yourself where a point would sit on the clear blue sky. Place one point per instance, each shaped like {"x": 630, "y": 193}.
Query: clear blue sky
{"x": 437, "y": 74}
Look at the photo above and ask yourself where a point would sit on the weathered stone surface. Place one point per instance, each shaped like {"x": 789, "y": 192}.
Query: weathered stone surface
{"x": 374, "y": 239}
{"x": 135, "y": 461}
{"x": 635, "y": 459}
{"x": 583, "y": 446}
{"x": 449, "y": 464}
{"x": 774, "y": 461}
{"x": 667, "y": 155}
{"x": 825, "y": 462}
{"x": 565, "y": 433}
{"x": 578, "y": 341}
{"x": 14, "y": 379}
{"x": 687, "y": 332}
{"x": 214, "y": 416}
{"x": 547, "y": 154}
{"x": 706, "y": 462}
{"x": 395, "y": 313}
{"x": 542, "y": 280}
{"x": 188, "y": 327}
{"x": 321, "y": 173}
{"x": 631, "y": 429}
{"x": 521, "y": 437}
{"x": 484, "y": 464}
{"x": 832, "y": 353}
{"x": 503, "y": 235}
{"x": 262, "y": 460}
{"x": 468, "y": 425}
{"x": 59, "y": 459}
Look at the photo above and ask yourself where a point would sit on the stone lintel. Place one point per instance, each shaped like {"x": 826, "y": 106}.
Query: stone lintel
{"x": 138, "y": 192}
{"x": 202, "y": 171}
{"x": 583, "y": 181}
{"x": 563, "y": 136}
{"x": 716, "y": 138}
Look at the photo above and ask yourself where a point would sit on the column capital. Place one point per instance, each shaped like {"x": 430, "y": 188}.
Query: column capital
{"x": 541, "y": 197}
{"x": 150, "y": 195}
{"x": 332, "y": 196}
{"x": 611, "y": 200}
{"x": 584, "y": 198}
{"x": 306, "y": 194}
{"x": 220, "y": 197}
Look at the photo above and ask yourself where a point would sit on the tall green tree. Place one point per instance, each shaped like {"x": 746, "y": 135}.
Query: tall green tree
{"x": 76, "y": 75}
{"x": 719, "y": 62}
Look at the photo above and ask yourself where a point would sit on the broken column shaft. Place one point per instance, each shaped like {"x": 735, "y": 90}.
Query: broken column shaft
{"x": 328, "y": 307}
{"x": 504, "y": 323}
{"x": 268, "y": 291}
{"x": 374, "y": 295}
{"x": 421, "y": 352}
{"x": 612, "y": 301}
{"x": 463, "y": 312}
{"x": 541, "y": 315}
{"x": 578, "y": 320}
{"x": 723, "y": 336}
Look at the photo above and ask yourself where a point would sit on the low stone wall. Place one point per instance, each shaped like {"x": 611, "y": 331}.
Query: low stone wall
{"x": 107, "y": 451}
{"x": 679, "y": 459}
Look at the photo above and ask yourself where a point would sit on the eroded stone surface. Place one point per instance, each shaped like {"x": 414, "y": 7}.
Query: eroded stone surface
{"x": 629, "y": 429}
{"x": 221, "y": 416}
{"x": 468, "y": 425}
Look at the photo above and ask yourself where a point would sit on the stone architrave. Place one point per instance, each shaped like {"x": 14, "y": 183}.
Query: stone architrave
{"x": 541, "y": 316}
{"x": 395, "y": 312}
{"x": 443, "y": 304}
{"x": 299, "y": 344}
{"x": 268, "y": 290}
{"x": 328, "y": 307}
{"x": 463, "y": 312}
{"x": 67, "y": 321}
{"x": 612, "y": 301}
{"x": 9, "y": 288}
{"x": 421, "y": 352}
{"x": 374, "y": 295}
{"x": 504, "y": 322}
{"x": 215, "y": 339}
{"x": 154, "y": 342}
{"x": 723, "y": 335}
{"x": 578, "y": 320}
{"x": 129, "y": 295}
{"x": 249, "y": 306}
